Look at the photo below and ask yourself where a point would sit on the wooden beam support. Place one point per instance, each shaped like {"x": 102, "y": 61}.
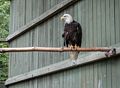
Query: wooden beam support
{"x": 67, "y": 64}
{"x": 52, "y": 49}
{"x": 45, "y": 16}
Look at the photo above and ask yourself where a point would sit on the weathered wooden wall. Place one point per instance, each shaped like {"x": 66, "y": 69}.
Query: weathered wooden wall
{"x": 101, "y": 27}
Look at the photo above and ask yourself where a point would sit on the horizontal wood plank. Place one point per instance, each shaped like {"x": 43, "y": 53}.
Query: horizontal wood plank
{"x": 67, "y": 64}
{"x": 45, "y": 16}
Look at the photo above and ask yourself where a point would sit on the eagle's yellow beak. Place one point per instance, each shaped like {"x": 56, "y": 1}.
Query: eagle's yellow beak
{"x": 62, "y": 18}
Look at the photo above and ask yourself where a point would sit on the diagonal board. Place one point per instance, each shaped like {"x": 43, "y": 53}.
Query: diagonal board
{"x": 48, "y": 14}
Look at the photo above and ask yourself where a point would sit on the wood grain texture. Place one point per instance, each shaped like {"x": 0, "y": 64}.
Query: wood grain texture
{"x": 54, "y": 49}
{"x": 100, "y": 23}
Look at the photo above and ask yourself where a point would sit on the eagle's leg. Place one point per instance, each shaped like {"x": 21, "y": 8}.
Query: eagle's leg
{"x": 73, "y": 54}
{"x": 76, "y": 46}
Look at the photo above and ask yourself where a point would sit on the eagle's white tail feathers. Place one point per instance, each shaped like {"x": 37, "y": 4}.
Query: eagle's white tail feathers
{"x": 74, "y": 55}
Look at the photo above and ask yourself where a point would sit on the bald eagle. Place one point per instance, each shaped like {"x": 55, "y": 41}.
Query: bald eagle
{"x": 72, "y": 34}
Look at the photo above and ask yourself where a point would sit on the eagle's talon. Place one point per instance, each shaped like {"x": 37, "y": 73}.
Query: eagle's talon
{"x": 71, "y": 47}
{"x": 76, "y": 47}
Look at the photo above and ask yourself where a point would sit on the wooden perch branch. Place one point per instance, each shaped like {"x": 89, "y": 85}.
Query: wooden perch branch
{"x": 52, "y": 49}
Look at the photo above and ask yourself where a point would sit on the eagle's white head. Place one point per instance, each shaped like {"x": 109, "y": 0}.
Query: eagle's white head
{"x": 67, "y": 18}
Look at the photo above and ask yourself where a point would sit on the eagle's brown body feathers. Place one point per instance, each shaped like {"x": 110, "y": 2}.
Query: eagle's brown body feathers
{"x": 72, "y": 34}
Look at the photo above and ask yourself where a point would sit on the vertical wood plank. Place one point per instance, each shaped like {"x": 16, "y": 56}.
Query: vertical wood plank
{"x": 114, "y": 73}
{"x": 112, "y": 29}
{"x": 28, "y": 35}
{"x": 117, "y": 71}
{"x": 10, "y": 32}
{"x": 60, "y": 31}
{"x": 18, "y": 55}
{"x": 14, "y": 43}
{"x": 107, "y": 22}
{"x": 21, "y": 12}
{"x": 87, "y": 23}
{"x": 83, "y": 77}
{"x": 21, "y": 41}
{"x": 59, "y": 37}
{"x": 117, "y": 21}
{"x": 98, "y": 24}
{"x": 28, "y": 18}
{"x": 79, "y": 10}
{"x": 80, "y": 76}
{"x": 104, "y": 73}
{"x": 32, "y": 33}
{"x": 45, "y": 42}
{"x": 14, "y": 14}
{"x": 87, "y": 81}
{"x": 90, "y": 26}
{"x": 100, "y": 79}
{"x": 109, "y": 74}
{"x": 54, "y": 39}
{"x": 95, "y": 75}
{"x": 48, "y": 42}
{"x": 28, "y": 10}
{"x": 41, "y": 6}
{"x": 36, "y": 11}
{"x": 95, "y": 23}
{"x": 11, "y": 17}
{"x": 91, "y": 76}
{"x": 103, "y": 26}
{"x": 83, "y": 23}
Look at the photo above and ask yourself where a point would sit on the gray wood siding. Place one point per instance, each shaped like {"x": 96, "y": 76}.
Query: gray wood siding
{"x": 103, "y": 74}
{"x": 23, "y": 11}
{"x": 100, "y": 21}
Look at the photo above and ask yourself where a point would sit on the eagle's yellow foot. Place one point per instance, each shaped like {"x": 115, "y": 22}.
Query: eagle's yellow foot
{"x": 71, "y": 47}
{"x": 75, "y": 47}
